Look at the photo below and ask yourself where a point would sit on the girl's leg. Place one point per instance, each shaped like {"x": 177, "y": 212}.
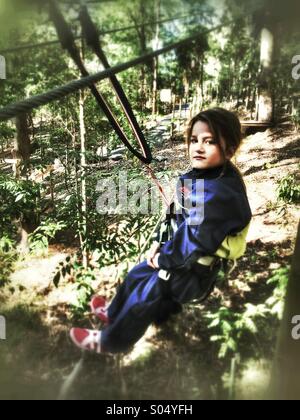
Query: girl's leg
{"x": 133, "y": 278}
{"x": 130, "y": 313}
{"x": 143, "y": 296}
{"x": 195, "y": 284}
{"x": 147, "y": 298}
{"x": 137, "y": 313}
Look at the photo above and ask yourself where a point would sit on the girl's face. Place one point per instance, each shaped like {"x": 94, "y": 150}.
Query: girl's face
{"x": 204, "y": 151}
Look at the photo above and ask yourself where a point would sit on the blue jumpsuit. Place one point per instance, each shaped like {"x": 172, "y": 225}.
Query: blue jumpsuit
{"x": 144, "y": 298}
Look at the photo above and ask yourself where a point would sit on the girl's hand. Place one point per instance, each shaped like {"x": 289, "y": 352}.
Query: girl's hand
{"x": 152, "y": 253}
{"x": 154, "y": 262}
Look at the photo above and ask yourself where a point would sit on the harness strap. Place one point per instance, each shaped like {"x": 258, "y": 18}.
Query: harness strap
{"x": 92, "y": 38}
{"x": 91, "y": 35}
{"x": 68, "y": 42}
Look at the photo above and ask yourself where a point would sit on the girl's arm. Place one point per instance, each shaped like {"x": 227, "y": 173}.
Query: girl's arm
{"x": 226, "y": 211}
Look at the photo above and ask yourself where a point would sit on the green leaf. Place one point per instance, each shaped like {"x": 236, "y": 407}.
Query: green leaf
{"x": 215, "y": 338}
{"x": 19, "y": 198}
{"x": 215, "y": 323}
{"x": 56, "y": 279}
{"x": 250, "y": 325}
{"x": 232, "y": 345}
{"x": 223, "y": 351}
{"x": 226, "y": 327}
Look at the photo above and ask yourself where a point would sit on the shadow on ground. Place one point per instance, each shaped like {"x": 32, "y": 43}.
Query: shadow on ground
{"x": 180, "y": 363}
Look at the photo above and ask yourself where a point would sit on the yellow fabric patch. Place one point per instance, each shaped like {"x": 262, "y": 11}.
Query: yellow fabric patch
{"x": 234, "y": 247}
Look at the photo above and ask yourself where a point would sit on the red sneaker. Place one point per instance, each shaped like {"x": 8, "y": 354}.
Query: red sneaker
{"x": 86, "y": 339}
{"x": 99, "y": 308}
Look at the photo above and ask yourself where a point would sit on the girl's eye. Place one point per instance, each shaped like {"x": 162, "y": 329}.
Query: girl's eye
{"x": 194, "y": 141}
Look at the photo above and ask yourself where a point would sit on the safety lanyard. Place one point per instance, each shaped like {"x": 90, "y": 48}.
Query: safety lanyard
{"x": 92, "y": 38}
{"x": 68, "y": 42}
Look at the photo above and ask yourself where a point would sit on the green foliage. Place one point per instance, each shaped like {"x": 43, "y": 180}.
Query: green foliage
{"x": 65, "y": 268}
{"x": 7, "y": 260}
{"x": 296, "y": 117}
{"x": 18, "y": 199}
{"x": 230, "y": 326}
{"x": 280, "y": 280}
{"x": 6, "y": 132}
{"x": 6, "y": 267}
{"x": 72, "y": 270}
{"x": 6, "y": 244}
{"x": 84, "y": 278}
{"x": 39, "y": 239}
{"x": 237, "y": 53}
{"x": 189, "y": 60}
{"x": 122, "y": 241}
{"x": 288, "y": 189}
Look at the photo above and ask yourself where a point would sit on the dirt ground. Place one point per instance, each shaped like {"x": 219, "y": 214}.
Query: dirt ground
{"x": 176, "y": 361}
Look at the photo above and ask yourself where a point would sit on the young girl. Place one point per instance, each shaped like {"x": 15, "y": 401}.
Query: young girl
{"x": 210, "y": 220}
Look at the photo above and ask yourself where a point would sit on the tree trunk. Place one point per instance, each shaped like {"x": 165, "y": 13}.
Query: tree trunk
{"x": 180, "y": 108}
{"x": 22, "y": 147}
{"x": 139, "y": 20}
{"x": 82, "y": 211}
{"x": 186, "y": 85}
{"x": 84, "y": 233}
{"x": 202, "y": 82}
{"x": 156, "y": 63}
{"x": 265, "y": 99}
{"x": 286, "y": 373}
{"x": 21, "y": 154}
{"x": 77, "y": 189}
{"x": 173, "y": 118}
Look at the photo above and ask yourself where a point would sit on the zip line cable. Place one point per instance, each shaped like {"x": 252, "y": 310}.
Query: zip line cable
{"x": 92, "y": 38}
{"x": 101, "y": 33}
{"x": 37, "y": 101}
{"x": 67, "y": 41}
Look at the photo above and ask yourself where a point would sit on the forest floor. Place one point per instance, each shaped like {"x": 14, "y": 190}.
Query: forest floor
{"x": 177, "y": 360}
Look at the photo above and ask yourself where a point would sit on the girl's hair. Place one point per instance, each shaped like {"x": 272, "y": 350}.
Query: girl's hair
{"x": 225, "y": 124}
